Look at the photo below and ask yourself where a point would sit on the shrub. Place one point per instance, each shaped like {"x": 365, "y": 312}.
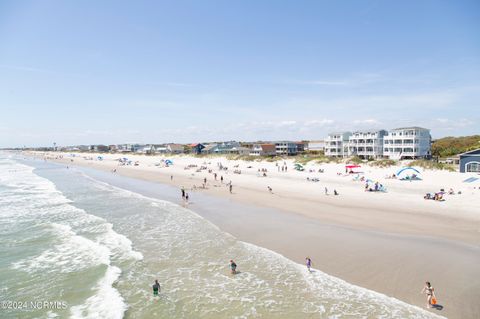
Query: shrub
{"x": 426, "y": 164}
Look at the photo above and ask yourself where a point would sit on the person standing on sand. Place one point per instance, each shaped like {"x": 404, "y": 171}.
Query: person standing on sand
{"x": 156, "y": 288}
{"x": 308, "y": 263}
{"x": 429, "y": 292}
{"x": 326, "y": 191}
{"x": 233, "y": 267}
{"x": 230, "y": 187}
{"x": 221, "y": 179}
{"x": 183, "y": 193}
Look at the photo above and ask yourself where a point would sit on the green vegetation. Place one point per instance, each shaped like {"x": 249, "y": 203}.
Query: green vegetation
{"x": 449, "y": 146}
{"x": 355, "y": 160}
{"x": 383, "y": 163}
{"x": 318, "y": 158}
{"x": 426, "y": 164}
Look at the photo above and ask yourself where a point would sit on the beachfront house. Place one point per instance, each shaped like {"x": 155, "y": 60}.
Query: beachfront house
{"x": 286, "y": 148}
{"x": 239, "y": 150}
{"x": 147, "y": 149}
{"x": 336, "y": 144}
{"x": 230, "y": 147}
{"x": 407, "y": 143}
{"x": 316, "y": 146}
{"x": 175, "y": 148}
{"x": 160, "y": 148}
{"x": 263, "y": 150}
{"x": 123, "y": 148}
{"x": 138, "y": 148}
{"x": 197, "y": 148}
{"x": 99, "y": 148}
{"x": 366, "y": 144}
{"x": 470, "y": 162}
{"x": 301, "y": 146}
{"x": 210, "y": 148}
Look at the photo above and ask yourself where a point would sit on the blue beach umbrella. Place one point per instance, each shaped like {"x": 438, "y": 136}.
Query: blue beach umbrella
{"x": 409, "y": 169}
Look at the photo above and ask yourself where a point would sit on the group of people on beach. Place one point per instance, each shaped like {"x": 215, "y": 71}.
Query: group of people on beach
{"x": 428, "y": 290}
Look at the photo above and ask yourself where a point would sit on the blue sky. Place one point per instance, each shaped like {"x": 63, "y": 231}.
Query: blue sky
{"x": 83, "y": 72}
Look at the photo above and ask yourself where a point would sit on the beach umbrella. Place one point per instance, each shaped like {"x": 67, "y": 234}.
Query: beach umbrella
{"x": 408, "y": 170}
{"x": 350, "y": 166}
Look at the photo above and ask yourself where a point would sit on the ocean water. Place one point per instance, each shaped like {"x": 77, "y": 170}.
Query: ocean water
{"x": 75, "y": 247}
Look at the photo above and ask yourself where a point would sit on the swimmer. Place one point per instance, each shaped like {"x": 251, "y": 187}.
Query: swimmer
{"x": 156, "y": 288}
{"x": 233, "y": 267}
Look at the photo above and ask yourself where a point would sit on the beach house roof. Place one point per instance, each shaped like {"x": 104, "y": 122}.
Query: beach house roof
{"x": 268, "y": 147}
{"x": 409, "y": 128}
{"x": 175, "y": 147}
{"x": 471, "y": 153}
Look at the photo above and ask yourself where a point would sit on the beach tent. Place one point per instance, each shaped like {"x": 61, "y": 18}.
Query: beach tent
{"x": 168, "y": 162}
{"x": 349, "y": 168}
{"x": 299, "y": 167}
{"x": 471, "y": 180}
{"x": 408, "y": 173}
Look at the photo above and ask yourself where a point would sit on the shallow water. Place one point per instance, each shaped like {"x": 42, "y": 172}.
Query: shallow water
{"x": 96, "y": 250}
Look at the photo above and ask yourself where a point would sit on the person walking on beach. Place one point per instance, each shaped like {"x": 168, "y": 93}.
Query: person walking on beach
{"x": 233, "y": 267}
{"x": 326, "y": 191}
{"x": 156, "y": 288}
{"x": 429, "y": 292}
{"x": 308, "y": 263}
{"x": 183, "y": 193}
{"x": 230, "y": 187}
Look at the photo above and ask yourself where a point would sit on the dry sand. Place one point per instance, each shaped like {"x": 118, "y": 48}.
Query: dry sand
{"x": 389, "y": 242}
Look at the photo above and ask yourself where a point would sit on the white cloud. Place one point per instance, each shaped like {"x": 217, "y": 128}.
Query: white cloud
{"x": 319, "y": 123}
{"x": 366, "y": 121}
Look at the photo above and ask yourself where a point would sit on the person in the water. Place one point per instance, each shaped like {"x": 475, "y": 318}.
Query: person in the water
{"x": 233, "y": 267}
{"x": 309, "y": 263}
{"x": 156, "y": 288}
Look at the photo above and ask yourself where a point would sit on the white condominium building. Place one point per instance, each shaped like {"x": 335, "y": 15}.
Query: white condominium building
{"x": 407, "y": 142}
{"x": 366, "y": 144}
{"x": 336, "y": 144}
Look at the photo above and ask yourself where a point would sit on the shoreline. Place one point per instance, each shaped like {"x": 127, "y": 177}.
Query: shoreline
{"x": 392, "y": 263}
{"x": 392, "y": 212}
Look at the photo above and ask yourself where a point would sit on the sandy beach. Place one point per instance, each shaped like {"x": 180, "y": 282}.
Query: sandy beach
{"x": 390, "y": 242}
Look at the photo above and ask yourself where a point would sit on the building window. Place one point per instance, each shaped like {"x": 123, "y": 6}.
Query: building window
{"x": 472, "y": 167}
